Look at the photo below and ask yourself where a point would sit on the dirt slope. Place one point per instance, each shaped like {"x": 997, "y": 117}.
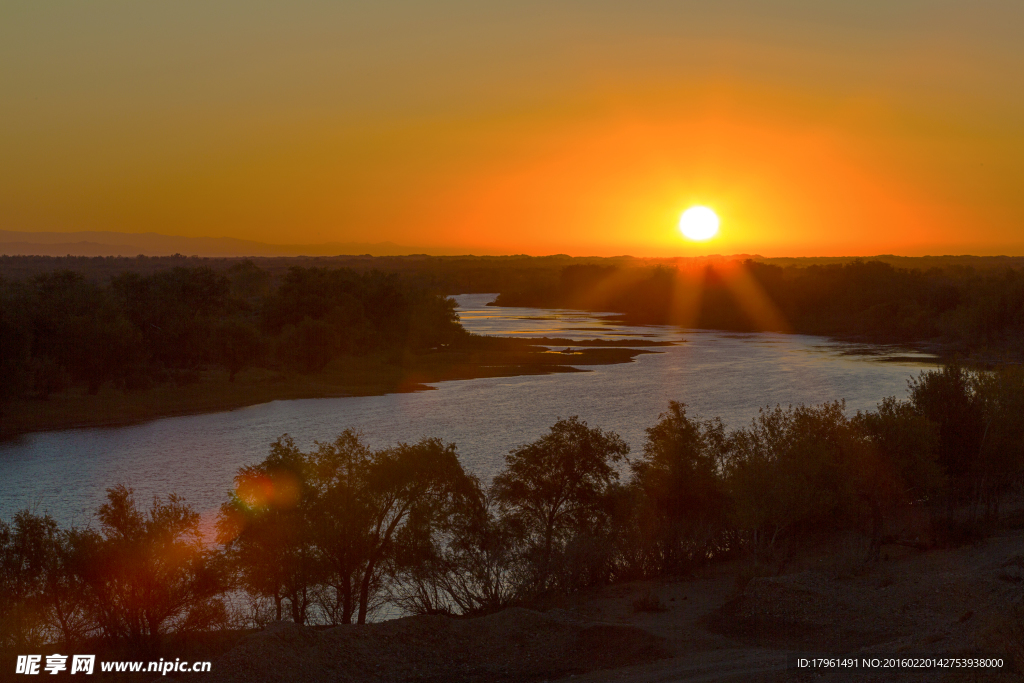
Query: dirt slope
{"x": 513, "y": 645}
{"x": 710, "y": 628}
{"x": 948, "y": 602}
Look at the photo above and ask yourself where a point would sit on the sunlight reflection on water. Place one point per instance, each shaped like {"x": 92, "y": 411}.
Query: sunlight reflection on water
{"x": 715, "y": 373}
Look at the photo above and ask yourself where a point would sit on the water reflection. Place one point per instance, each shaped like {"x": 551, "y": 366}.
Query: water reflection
{"x": 730, "y": 375}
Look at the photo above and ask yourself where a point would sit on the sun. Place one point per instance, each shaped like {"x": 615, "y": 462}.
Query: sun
{"x": 699, "y": 223}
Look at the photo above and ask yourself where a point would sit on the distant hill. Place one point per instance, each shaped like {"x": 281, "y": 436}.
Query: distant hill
{"x": 99, "y": 243}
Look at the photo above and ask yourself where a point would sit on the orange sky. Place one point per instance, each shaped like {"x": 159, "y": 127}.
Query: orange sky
{"x": 812, "y": 128}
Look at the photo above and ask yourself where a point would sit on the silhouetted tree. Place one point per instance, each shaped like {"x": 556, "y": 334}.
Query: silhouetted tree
{"x": 410, "y": 490}
{"x": 175, "y": 311}
{"x": 796, "y": 470}
{"x": 23, "y": 555}
{"x": 947, "y": 397}
{"x": 902, "y": 467}
{"x": 69, "y": 607}
{"x": 237, "y": 344}
{"x": 42, "y": 596}
{"x": 337, "y": 517}
{"x": 342, "y": 514}
{"x": 681, "y": 479}
{"x": 477, "y": 566}
{"x": 557, "y": 488}
{"x": 1000, "y": 394}
{"x": 148, "y": 572}
{"x": 267, "y": 528}
{"x": 907, "y": 443}
{"x": 15, "y": 342}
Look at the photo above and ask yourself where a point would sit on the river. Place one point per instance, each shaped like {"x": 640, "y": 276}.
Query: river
{"x": 715, "y": 373}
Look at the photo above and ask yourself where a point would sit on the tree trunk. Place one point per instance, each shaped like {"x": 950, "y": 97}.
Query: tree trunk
{"x": 877, "y": 523}
{"x": 346, "y": 600}
{"x": 549, "y": 533}
{"x": 364, "y": 591}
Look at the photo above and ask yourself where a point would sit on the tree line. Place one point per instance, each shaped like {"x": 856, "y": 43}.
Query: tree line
{"x": 464, "y": 274}
{"x": 333, "y": 534}
{"x": 969, "y": 309}
{"x": 165, "y": 320}
{"x": 60, "y": 329}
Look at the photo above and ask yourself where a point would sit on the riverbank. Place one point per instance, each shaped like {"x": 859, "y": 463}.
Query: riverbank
{"x": 209, "y": 390}
{"x": 720, "y": 625}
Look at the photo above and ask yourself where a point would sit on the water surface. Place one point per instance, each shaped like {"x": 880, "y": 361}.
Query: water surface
{"x": 715, "y": 373}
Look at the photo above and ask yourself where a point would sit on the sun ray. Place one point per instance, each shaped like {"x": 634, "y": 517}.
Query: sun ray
{"x": 685, "y": 301}
{"x": 752, "y": 299}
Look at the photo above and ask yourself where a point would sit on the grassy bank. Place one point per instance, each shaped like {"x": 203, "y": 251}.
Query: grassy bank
{"x": 350, "y": 376}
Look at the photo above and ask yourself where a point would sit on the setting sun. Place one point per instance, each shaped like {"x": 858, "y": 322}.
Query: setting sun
{"x": 699, "y": 223}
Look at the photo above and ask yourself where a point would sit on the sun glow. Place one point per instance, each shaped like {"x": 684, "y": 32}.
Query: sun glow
{"x": 699, "y": 223}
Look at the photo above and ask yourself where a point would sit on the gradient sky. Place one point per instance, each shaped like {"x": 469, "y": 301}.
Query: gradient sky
{"x": 813, "y": 127}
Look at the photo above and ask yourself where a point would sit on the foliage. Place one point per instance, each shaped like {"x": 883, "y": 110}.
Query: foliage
{"x": 796, "y": 470}
{"x": 329, "y": 535}
{"x": 237, "y": 344}
{"x": 906, "y": 443}
{"x": 143, "y": 574}
{"x": 23, "y": 556}
{"x": 42, "y": 594}
{"x": 410, "y": 491}
{"x": 340, "y": 311}
{"x": 174, "y": 312}
{"x": 682, "y": 494}
{"x": 971, "y": 309}
{"x": 15, "y": 340}
{"x": 148, "y": 571}
{"x": 1000, "y": 394}
{"x": 557, "y": 489}
{"x": 60, "y": 330}
{"x": 948, "y": 399}
{"x": 335, "y": 523}
{"x": 477, "y": 566}
{"x": 267, "y": 529}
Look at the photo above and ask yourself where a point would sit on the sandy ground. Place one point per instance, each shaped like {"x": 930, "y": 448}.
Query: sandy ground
{"x": 712, "y": 627}
{"x": 941, "y": 602}
{"x": 513, "y": 645}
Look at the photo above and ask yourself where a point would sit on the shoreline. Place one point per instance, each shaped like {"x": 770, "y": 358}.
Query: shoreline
{"x": 937, "y": 348}
{"x": 483, "y": 357}
{"x": 479, "y": 357}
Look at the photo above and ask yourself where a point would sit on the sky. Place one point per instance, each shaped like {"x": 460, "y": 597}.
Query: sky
{"x": 585, "y": 127}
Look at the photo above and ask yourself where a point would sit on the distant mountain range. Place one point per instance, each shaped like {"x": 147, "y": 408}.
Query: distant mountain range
{"x": 105, "y": 243}
{"x": 99, "y": 243}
